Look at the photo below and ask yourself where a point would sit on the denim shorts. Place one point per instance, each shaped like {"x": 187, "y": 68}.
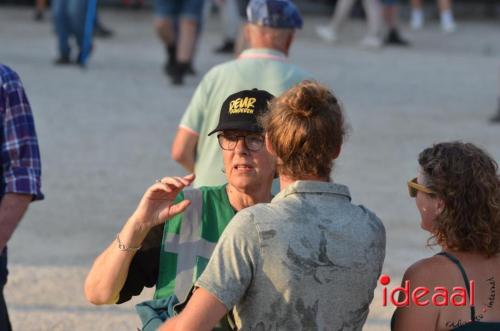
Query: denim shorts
{"x": 192, "y": 9}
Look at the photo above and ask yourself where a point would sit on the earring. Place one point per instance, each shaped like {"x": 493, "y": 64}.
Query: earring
{"x": 223, "y": 171}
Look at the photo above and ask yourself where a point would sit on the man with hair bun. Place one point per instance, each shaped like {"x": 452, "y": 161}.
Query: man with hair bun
{"x": 310, "y": 259}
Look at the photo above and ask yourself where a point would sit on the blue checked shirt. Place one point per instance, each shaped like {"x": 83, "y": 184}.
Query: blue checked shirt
{"x": 19, "y": 154}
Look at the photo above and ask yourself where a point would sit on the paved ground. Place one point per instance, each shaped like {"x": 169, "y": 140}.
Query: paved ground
{"x": 105, "y": 135}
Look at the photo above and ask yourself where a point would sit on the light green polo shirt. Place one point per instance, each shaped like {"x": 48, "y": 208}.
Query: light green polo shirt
{"x": 265, "y": 69}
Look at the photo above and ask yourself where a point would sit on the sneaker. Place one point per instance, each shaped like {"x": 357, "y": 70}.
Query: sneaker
{"x": 178, "y": 73}
{"x": 168, "y": 67}
{"x": 326, "y": 33}
{"x": 226, "y": 48}
{"x": 190, "y": 70}
{"x": 62, "y": 60}
{"x": 103, "y": 32}
{"x": 448, "y": 27}
{"x": 39, "y": 15}
{"x": 416, "y": 22}
{"x": 496, "y": 118}
{"x": 171, "y": 62}
{"x": 393, "y": 38}
{"x": 371, "y": 43}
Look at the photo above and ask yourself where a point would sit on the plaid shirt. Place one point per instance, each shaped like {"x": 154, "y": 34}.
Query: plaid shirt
{"x": 19, "y": 154}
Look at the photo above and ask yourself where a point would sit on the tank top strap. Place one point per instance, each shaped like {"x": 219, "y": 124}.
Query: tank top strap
{"x": 464, "y": 276}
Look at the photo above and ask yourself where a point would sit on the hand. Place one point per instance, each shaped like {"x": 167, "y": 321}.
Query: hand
{"x": 157, "y": 203}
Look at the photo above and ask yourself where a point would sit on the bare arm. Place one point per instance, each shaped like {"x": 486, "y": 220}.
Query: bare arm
{"x": 184, "y": 148}
{"x": 12, "y": 209}
{"x": 109, "y": 271}
{"x": 201, "y": 313}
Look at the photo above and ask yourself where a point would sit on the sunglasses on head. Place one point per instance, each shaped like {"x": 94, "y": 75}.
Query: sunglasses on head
{"x": 414, "y": 187}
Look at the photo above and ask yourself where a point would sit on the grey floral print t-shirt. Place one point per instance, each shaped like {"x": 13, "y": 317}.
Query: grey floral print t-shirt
{"x": 309, "y": 260}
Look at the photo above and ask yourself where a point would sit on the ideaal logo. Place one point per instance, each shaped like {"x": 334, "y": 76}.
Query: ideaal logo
{"x": 439, "y": 296}
{"x": 242, "y": 105}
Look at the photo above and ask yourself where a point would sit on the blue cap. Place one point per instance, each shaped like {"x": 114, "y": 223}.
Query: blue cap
{"x": 274, "y": 14}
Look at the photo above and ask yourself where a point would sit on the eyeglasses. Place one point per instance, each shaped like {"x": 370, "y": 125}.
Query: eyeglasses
{"x": 413, "y": 187}
{"x": 253, "y": 142}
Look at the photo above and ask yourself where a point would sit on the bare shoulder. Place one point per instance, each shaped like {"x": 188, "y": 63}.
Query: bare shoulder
{"x": 429, "y": 270}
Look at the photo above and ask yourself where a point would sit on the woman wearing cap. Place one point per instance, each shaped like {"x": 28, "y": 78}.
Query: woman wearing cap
{"x": 457, "y": 192}
{"x": 190, "y": 221}
{"x": 310, "y": 259}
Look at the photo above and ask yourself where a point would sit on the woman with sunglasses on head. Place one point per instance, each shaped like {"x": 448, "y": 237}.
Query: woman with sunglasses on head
{"x": 457, "y": 192}
{"x": 190, "y": 221}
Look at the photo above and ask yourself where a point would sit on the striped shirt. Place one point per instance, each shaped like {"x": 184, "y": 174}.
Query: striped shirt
{"x": 19, "y": 153}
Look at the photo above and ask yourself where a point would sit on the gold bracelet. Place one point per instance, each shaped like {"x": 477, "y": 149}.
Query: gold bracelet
{"x": 124, "y": 247}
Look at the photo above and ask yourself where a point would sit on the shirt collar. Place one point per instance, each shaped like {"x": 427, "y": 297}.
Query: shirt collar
{"x": 315, "y": 187}
{"x": 263, "y": 53}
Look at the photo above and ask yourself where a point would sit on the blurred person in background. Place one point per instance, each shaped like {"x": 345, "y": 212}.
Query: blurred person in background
{"x": 445, "y": 14}
{"x": 457, "y": 193}
{"x": 178, "y": 24}
{"x": 40, "y": 7}
{"x": 373, "y": 10}
{"x": 231, "y": 20}
{"x": 393, "y": 36}
{"x": 69, "y": 21}
{"x": 309, "y": 259}
{"x": 101, "y": 30}
{"x": 496, "y": 117}
{"x": 20, "y": 180}
{"x": 270, "y": 33}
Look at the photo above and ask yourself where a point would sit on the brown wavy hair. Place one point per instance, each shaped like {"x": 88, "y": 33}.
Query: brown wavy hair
{"x": 305, "y": 127}
{"x": 466, "y": 178}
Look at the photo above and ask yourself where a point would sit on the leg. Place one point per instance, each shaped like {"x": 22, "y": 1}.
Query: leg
{"x": 446, "y": 15}
{"x": 393, "y": 36}
{"x": 417, "y": 15}
{"x": 164, "y": 23}
{"x": 62, "y": 29}
{"x": 496, "y": 117}
{"x": 41, "y": 5}
{"x": 189, "y": 30}
{"x": 78, "y": 15}
{"x": 187, "y": 37}
{"x": 416, "y": 4}
{"x": 231, "y": 22}
{"x": 165, "y": 28}
{"x": 374, "y": 17}
{"x": 4, "y": 315}
{"x": 100, "y": 30}
{"x": 444, "y": 5}
{"x": 342, "y": 10}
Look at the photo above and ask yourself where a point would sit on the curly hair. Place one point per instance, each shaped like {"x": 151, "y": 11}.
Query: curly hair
{"x": 465, "y": 177}
{"x": 305, "y": 127}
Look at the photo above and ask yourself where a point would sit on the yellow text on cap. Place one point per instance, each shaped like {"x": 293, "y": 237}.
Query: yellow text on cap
{"x": 242, "y": 105}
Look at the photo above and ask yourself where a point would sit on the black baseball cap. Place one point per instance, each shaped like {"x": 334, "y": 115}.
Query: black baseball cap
{"x": 241, "y": 110}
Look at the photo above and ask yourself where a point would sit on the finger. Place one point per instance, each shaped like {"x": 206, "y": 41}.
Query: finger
{"x": 190, "y": 178}
{"x": 187, "y": 180}
{"x": 175, "y": 181}
{"x": 162, "y": 187}
{"x": 176, "y": 209}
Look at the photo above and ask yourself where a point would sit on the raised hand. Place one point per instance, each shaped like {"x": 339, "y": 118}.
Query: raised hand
{"x": 157, "y": 204}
